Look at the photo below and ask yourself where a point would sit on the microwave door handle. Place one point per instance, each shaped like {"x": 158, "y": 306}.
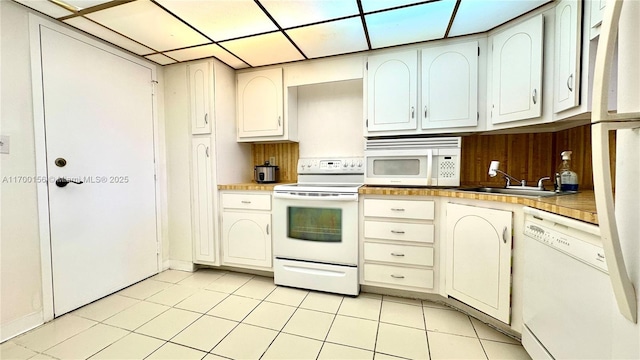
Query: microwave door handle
{"x": 429, "y": 166}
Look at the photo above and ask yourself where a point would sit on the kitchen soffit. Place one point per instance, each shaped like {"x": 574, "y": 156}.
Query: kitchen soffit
{"x": 249, "y": 33}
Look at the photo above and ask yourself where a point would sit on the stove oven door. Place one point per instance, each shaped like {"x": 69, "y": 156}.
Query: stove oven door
{"x": 316, "y": 228}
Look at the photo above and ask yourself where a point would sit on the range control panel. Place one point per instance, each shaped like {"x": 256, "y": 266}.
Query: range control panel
{"x": 572, "y": 246}
{"x": 341, "y": 165}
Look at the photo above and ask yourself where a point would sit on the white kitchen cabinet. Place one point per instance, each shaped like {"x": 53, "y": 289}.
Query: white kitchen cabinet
{"x": 398, "y": 244}
{"x": 200, "y": 89}
{"x": 202, "y": 199}
{"x": 246, "y": 230}
{"x": 567, "y": 55}
{"x": 516, "y": 80}
{"x": 449, "y": 84}
{"x": 260, "y": 105}
{"x": 479, "y": 258}
{"x": 392, "y": 91}
{"x": 597, "y": 10}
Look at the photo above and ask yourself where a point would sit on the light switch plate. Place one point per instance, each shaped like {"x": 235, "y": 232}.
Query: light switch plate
{"x": 4, "y": 144}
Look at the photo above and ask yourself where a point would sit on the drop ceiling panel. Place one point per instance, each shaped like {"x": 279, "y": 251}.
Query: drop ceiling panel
{"x": 264, "y": 49}
{"x": 292, "y": 13}
{"x": 83, "y": 4}
{"x": 108, "y": 35}
{"x": 411, "y": 24}
{"x": 492, "y": 13}
{"x": 205, "y": 51}
{"x": 160, "y": 59}
{"x": 46, "y": 7}
{"x": 222, "y": 20}
{"x": 330, "y": 38}
{"x": 375, "y": 5}
{"x": 149, "y": 24}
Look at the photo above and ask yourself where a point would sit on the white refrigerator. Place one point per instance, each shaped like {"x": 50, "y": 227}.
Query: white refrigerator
{"x": 620, "y": 224}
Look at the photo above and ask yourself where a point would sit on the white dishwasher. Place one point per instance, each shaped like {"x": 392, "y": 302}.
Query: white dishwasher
{"x": 567, "y": 295}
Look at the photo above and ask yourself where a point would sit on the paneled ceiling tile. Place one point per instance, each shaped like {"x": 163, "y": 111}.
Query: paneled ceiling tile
{"x": 375, "y": 5}
{"x": 205, "y": 51}
{"x": 222, "y": 19}
{"x": 108, "y": 35}
{"x": 148, "y": 24}
{"x": 494, "y": 13}
{"x": 411, "y": 24}
{"x": 330, "y": 38}
{"x": 160, "y": 59}
{"x": 264, "y": 49}
{"x": 290, "y": 13}
{"x": 83, "y": 4}
{"x": 46, "y": 7}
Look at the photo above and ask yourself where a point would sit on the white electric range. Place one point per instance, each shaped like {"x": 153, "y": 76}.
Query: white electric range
{"x": 315, "y": 231}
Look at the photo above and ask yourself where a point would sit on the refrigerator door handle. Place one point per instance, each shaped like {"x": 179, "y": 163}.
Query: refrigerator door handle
{"x": 603, "y": 122}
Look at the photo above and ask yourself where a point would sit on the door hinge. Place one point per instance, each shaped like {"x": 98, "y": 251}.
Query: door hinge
{"x": 154, "y": 83}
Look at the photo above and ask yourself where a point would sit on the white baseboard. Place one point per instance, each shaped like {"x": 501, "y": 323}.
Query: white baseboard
{"x": 21, "y": 325}
{"x": 181, "y": 265}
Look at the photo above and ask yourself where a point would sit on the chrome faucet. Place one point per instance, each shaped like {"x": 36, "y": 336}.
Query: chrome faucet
{"x": 493, "y": 171}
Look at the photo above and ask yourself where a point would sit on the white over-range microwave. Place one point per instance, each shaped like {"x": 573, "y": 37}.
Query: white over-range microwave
{"x": 413, "y": 161}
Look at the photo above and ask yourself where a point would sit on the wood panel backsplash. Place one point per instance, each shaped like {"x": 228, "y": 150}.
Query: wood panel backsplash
{"x": 529, "y": 156}
{"x": 286, "y": 157}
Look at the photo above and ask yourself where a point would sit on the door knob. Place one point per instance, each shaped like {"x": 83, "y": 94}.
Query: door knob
{"x": 62, "y": 182}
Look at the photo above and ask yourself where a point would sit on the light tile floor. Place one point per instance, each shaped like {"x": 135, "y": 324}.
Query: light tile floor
{"x": 214, "y": 314}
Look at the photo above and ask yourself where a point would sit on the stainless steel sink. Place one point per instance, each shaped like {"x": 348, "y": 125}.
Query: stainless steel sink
{"x": 515, "y": 191}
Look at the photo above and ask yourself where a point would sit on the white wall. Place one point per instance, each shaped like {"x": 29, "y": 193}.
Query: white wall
{"x": 20, "y": 283}
{"x": 330, "y": 119}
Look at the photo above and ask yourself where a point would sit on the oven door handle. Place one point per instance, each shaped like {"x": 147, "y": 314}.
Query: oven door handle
{"x": 340, "y": 197}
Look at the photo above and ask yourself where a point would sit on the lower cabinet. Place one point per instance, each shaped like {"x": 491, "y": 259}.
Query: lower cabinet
{"x": 202, "y": 200}
{"x": 246, "y": 229}
{"x": 479, "y": 258}
{"x": 398, "y": 244}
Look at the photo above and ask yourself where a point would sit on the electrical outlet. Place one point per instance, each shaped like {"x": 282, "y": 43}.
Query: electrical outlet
{"x": 4, "y": 144}
{"x": 272, "y": 160}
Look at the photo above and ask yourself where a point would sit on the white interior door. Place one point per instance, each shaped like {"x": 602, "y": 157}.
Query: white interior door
{"x": 98, "y": 111}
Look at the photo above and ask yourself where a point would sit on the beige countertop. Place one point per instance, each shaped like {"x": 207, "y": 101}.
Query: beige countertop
{"x": 580, "y": 206}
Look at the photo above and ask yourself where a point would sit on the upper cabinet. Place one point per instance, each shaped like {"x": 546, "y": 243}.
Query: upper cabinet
{"x": 449, "y": 86}
{"x": 567, "y": 55}
{"x": 517, "y": 72}
{"x": 597, "y": 10}
{"x": 392, "y": 88}
{"x": 260, "y": 107}
{"x": 421, "y": 92}
{"x": 200, "y": 88}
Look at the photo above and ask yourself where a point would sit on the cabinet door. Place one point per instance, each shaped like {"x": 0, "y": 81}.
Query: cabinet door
{"x": 479, "y": 258}
{"x": 567, "y": 59}
{"x": 260, "y": 105}
{"x": 202, "y": 200}
{"x": 199, "y": 98}
{"x": 450, "y": 86}
{"x": 246, "y": 238}
{"x": 517, "y": 72}
{"x": 392, "y": 84}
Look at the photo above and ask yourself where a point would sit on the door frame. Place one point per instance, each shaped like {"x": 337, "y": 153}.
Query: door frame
{"x": 41, "y": 151}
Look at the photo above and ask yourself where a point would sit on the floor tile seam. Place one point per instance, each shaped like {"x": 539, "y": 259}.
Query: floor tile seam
{"x": 221, "y": 340}
{"x": 116, "y": 340}
{"x": 138, "y": 328}
{"x": 499, "y": 341}
{"x": 158, "y": 348}
{"x": 384, "y": 298}
{"x": 65, "y": 339}
{"x": 351, "y": 346}
{"x": 394, "y": 355}
{"x": 404, "y": 326}
{"x": 375, "y": 342}
{"x": 103, "y": 320}
{"x": 326, "y": 336}
{"x": 450, "y": 333}
{"x": 358, "y": 317}
{"x": 426, "y": 331}
{"x": 205, "y": 313}
{"x": 141, "y": 325}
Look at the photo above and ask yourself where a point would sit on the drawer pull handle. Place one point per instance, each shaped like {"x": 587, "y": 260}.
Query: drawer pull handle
{"x": 246, "y": 202}
{"x": 397, "y": 209}
{"x": 397, "y": 231}
{"x": 397, "y": 276}
{"x": 267, "y": 229}
{"x": 397, "y": 254}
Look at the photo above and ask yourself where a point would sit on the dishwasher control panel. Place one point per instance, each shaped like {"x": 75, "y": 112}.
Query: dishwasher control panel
{"x": 579, "y": 249}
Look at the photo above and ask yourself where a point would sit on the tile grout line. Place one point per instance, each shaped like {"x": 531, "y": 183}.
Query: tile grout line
{"x": 426, "y": 330}
{"x": 478, "y": 336}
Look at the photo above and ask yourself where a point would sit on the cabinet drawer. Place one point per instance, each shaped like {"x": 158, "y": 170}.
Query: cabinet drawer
{"x": 399, "y": 254}
{"x": 398, "y": 231}
{"x": 397, "y": 275}
{"x": 400, "y": 209}
{"x": 246, "y": 201}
